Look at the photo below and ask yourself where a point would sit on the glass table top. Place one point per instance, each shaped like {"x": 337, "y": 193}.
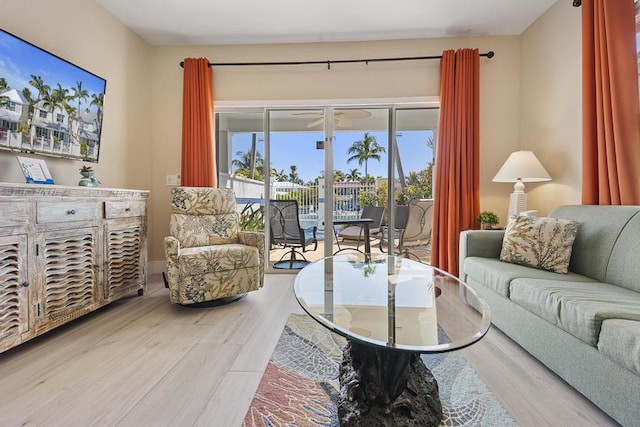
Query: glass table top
{"x": 392, "y": 302}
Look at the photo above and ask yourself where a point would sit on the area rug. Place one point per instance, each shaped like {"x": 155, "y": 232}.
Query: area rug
{"x": 300, "y": 385}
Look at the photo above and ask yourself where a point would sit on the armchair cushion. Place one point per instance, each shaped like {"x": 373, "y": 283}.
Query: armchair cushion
{"x": 203, "y": 217}
{"x": 206, "y": 259}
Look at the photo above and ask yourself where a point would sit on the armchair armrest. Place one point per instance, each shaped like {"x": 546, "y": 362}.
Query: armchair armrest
{"x": 480, "y": 243}
{"x": 171, "y": 248}
{"x": 255, "y": 239}
{"x": 384, "y": 236}
{"x": 303, "y": 238}
{"x": 314, "y": 230}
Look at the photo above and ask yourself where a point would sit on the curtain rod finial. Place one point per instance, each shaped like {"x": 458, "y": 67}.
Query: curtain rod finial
{"x": 490, "y": 54}
{"x": 577, "y": 3}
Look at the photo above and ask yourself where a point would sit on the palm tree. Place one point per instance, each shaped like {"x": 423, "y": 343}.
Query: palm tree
{"x": 71, "y": 112}
{"x": 293, "y": 175}
{"x": 57, "y": 99}
{"x": 98, "y": 100}
{"x": 4, "y": 100}
{"x": 26, "y": 93}
{"x": 365, "y": 149}
{"x": 243, "y": 164}
{"x": 354, "y": 174}
{"x": 52, "y": 101}
{"x": 79, "y": 94}
{"x": 42, "y": 88}
{"x": 38, "y": 84}
{"x": 338, "y": 176}
{"x": 280, "y": 176}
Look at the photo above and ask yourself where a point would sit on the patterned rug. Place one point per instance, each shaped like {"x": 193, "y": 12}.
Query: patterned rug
{"x": 300, "y": 385}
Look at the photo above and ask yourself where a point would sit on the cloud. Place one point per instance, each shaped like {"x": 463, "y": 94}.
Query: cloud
{"x": 13, "y": 74}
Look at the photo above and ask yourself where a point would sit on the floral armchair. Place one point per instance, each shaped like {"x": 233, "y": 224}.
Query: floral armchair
{"x": 208, "y": 257}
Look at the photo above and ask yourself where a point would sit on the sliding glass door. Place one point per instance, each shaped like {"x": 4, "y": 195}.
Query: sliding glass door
{"x": 365, "y": 148}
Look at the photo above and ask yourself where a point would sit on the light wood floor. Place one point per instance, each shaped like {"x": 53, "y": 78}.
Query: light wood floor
{"x": 144, "y": 362}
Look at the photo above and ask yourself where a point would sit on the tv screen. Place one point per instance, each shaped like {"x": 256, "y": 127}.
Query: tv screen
{"x": 48, "y": 105}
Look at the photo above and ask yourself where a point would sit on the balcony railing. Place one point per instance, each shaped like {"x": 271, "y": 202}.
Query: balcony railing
{"x": 347, "y": 198}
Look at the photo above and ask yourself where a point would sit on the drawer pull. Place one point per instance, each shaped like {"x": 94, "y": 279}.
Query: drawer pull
{"x": 25, "y": 284}
{"x": 71, "y": 212}
{"x": 127, "y": 210}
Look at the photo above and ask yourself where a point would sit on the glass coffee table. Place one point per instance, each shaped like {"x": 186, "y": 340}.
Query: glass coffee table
{"x": 390, "y": 310}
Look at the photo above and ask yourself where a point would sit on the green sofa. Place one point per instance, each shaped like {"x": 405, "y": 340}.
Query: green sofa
{"x": 583, "y": 325}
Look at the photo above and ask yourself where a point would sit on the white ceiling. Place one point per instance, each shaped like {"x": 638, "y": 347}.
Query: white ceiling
{"x": 212, "y": 22}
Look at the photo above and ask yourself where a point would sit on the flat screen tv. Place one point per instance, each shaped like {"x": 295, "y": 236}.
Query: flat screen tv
{"x": 48, "y": 105}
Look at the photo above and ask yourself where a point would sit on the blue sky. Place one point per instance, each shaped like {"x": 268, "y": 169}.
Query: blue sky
{"x": 300, "y": 149}
{"x": 18, "y": 60}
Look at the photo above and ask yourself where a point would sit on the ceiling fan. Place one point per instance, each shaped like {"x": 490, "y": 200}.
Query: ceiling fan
{"x": 341, "y": 118}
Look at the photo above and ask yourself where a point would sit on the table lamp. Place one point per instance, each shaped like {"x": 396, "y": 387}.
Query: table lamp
{"x": 521, "y": 166}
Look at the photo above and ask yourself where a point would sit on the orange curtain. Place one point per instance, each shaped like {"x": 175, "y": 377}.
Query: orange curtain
{"x": 610, "y": 108}
{"x": 198, "y": 166}
{"x": 456, "y": 189}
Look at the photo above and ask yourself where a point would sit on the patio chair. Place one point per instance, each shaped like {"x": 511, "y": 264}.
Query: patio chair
{"x": 285, "y": 231}
{"x": 209, "y": 260}
{"x": 415, "y": 231}
{"x": 356, "y": 232}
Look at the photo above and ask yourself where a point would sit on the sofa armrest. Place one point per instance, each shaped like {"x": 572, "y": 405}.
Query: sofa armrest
{"x": 479, "y": 243}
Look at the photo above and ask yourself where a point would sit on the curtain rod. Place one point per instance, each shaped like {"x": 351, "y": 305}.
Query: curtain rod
{"x": 489, "y": 54}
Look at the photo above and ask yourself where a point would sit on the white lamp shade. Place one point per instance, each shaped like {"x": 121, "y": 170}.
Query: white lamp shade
{"x": 522, "y": 166}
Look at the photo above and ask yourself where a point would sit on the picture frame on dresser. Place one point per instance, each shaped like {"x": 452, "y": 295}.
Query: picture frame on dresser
{"x": 35, "y": 171}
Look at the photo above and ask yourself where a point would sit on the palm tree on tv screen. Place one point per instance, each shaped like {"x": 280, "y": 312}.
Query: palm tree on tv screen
{"x": 98, "y": 101}
{"x": 40, "y": 86}
{"x": 79, "y": 94}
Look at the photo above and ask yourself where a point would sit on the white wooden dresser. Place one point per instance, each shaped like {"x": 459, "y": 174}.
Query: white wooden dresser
{"x": 66, "y": 251}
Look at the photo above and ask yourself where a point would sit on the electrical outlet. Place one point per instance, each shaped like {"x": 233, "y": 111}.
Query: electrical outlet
{"x": 178, "y": 179}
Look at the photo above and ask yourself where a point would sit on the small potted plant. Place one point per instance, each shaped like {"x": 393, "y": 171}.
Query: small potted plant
{"x": 88, "y": 179}
{"x": 86, "y": 171}
{"x": 488, "y": 220}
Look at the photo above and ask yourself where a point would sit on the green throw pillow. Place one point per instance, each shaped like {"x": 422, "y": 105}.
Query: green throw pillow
{"x": 543, "y": 243}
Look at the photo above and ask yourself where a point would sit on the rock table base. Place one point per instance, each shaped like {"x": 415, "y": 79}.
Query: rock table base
{"x": 381, "y": 387}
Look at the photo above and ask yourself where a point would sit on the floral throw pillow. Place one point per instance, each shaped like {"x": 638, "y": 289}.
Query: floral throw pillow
{"x": 543, "y": 243}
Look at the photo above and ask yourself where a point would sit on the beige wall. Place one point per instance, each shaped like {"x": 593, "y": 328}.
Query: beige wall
{"x": 499, "y": 93}
{"x": 85, "y": 34}
{"x": 551, "y": 100}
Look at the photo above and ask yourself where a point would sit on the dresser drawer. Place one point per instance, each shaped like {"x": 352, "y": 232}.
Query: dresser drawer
{"x": 14, "y": 213}
{"x": 124, "y": 209}
{"x": 68, "y": 211}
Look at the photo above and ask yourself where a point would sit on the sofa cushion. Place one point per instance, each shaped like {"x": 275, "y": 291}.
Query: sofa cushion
{"x": 577, "y": 308}
{"x": 600, "y": 228}
{"x": 620, "y": 341}
{"x": 497, "y": 275}
{"x": 208, "y": 259}
{"x": 539, "y": 242}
